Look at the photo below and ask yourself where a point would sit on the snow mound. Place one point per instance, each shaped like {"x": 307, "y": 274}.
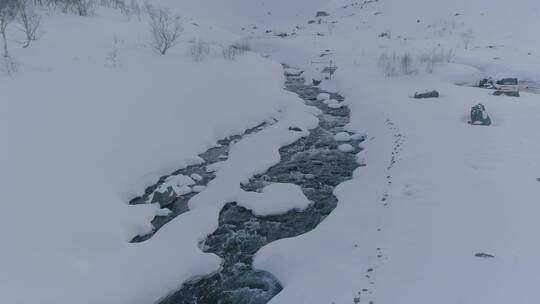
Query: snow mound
{"x": 274, "y": 199}
{"x": 335, "y": 105}
{"x": 346, "y": 148}
{"x": 323, "y": 96}
{"x": 342, "y": 136}
{"x": 178, "y": 183}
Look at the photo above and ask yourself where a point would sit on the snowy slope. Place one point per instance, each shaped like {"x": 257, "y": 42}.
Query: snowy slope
{"x": 81, "y": 138}
{"x": 408, "y": 231}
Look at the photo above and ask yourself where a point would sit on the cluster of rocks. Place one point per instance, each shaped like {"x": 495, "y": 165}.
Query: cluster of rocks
{"x": 504, "y": 86}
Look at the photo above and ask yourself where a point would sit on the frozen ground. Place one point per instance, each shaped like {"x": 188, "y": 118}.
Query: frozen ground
{"x": 81, "y": 138}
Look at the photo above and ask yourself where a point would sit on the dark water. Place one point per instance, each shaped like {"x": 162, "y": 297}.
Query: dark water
{"x": 315, "y": 164}
{"x": 179, "y": 204}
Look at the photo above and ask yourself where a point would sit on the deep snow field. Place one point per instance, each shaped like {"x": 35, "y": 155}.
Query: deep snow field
{"x": 83, "y": 135}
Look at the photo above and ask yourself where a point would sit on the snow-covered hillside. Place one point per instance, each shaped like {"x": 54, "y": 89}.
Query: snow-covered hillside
{"x": 443, "y": 211}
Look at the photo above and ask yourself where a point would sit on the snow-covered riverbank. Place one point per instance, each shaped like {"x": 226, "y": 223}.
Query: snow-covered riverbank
{"x": 83, "y": 135}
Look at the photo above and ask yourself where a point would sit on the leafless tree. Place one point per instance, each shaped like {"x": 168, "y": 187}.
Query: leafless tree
{"x": 28, "y": 19}
{"x": 199, "y": 50}
{"x": 164, "y": 27}
{"x": 7, "y": 14}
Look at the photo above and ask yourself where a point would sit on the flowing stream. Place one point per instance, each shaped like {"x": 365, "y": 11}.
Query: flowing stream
{"x": 314, "y": 163}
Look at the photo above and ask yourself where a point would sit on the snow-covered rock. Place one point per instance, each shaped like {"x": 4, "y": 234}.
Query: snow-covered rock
{"x": 196, "y": 177}
{"x": 323, "y": 96}
{"x": 346, "y": 148}
{"x": 335, "y": 105}
{"x": 293, "y": 72}
{"x": 342, "y": 136}
{"x": 274, "y": 199}
{"x": 198, "y": 188}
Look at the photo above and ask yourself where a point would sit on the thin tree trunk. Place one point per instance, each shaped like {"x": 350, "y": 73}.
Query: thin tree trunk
{"x": 6, "y": 54}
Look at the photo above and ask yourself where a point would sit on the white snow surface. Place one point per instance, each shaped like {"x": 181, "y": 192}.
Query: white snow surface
{"x": 454, "y": 190}
{"x": 274, "y": 199}
{"x": 81, "y": 138}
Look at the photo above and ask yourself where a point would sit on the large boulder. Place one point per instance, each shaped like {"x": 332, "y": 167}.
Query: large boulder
{"x": 508, "y": 81}
{"x": 511, "y": 93}
{"x": 430, "y": 94}
{"x": 322, "y": 14}
{"x": 487, "y": 83}
{"x": 479, "y": 116}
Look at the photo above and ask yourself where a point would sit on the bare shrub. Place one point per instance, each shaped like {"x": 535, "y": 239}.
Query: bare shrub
{"x": 83, "y": 8}
{"x": 199, "y": 50}
{"x": 406, "y": 64}
{"x": 164, "y": 27}
{"x": 232, "y": 51}
{"x": 242, "y": 46}
{"x": 7, "y": 15}
{"x": 28, "y": 19}
{"x": 467, "y": 38}
{"x": 113, "y": 58}
{"x": 395, "y": 64}
{"x": 389, "y": 64}
{"x": 9, "y": 66}
{"x": 229, "y": 52}
{"x": 135, "y": 9}
{"x": 436, "y": 56}
{"x": 127, "y": 9}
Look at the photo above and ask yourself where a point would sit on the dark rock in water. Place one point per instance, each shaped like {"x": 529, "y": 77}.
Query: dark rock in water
{"x": 487, "y": 83}
{"x": 322, "y": 14}
{"x": 282, "y": 35}
{"x": 508, "y": 81}
{"x": 479, "y": 116}
{"x": 316, "y": 82}
{"x": 431, "y": 94}
{"x": 483, "y": 255}
{"x": 511, "y": 93}
{"x": 164, "y": 198}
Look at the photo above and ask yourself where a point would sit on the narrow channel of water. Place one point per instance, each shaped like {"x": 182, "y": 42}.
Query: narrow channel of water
{"x": 202, "y": 174}
{"x": 315, "y": 164}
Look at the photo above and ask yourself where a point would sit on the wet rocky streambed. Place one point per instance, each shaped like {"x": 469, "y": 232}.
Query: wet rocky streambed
{"x": 316, "y": 163}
